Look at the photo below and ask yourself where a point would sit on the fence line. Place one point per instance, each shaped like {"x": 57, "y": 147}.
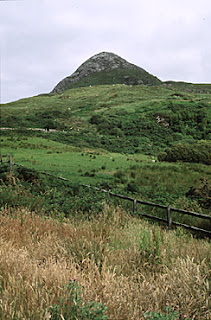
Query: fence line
{"x": 168, "y": 208}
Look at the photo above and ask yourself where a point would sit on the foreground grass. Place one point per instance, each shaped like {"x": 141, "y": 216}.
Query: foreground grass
{"x": 127, "y": 264}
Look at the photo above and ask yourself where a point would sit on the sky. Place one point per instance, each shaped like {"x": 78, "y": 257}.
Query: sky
{"x": 44, "y": 41}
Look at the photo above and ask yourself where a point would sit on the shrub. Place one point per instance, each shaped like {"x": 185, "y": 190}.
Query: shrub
{"x": 168, "y": 314}
{"x": 202, "y": 193}
{"x": 132, "y": 187}
{"x": 27, "y": 174}
{"x": 4, "y": 169}
{"x": 196, "y": 152}
{"x": 72, "y": 307}
{"x": 133, "y": 174}
{"x": 119, "y": 174}
{"x": 96, "y": 119}
{"x": 162, "y": 156}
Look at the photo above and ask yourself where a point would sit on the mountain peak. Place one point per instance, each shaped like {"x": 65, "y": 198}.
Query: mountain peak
{"x": 106, "y": 68}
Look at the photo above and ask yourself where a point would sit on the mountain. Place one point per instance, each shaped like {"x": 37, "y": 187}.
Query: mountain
{"x": 116, "y": 117}
{"x": 106, "y": 68}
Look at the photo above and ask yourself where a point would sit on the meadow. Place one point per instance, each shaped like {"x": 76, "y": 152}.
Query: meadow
{"x": 137, "y": 176}
{"x": 109, "y": 266}
{"x": 95, "y": 166}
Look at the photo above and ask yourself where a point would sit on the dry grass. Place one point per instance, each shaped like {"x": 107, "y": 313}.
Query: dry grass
{"x": 109, "y": 256}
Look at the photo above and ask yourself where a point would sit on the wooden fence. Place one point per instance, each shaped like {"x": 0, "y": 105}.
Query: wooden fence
{"x": 168, "y": 209}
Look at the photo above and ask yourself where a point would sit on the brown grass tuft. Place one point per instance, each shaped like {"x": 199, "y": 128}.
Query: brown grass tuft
{"x": 127, "y": 264}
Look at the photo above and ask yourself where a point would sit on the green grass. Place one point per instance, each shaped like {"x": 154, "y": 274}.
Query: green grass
{"x": 109, "y": 135}
{"x": 67, "y": 161}
{"x": 116, "y": 76}
{"x": 128, "y": 116}
{"x": 136, "y": 175}
{"x": 113, "y": 142}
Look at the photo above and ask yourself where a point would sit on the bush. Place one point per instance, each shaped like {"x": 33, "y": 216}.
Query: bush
{"x": 27, "y": 174}
{"x": 119, "y": 174}
{"x": 168, "y": 314}
{"x": 72, "y": 307}
{"x": 196, "y": 152}
{"x": 202, "y": 193}
{"x": 4, "y": 170}
{"x": 96, "y": 119}
{"x": 162, "y": 156}
{"x": 132, "y": 187}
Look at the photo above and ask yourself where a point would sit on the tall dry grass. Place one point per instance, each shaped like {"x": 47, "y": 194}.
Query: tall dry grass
{"x": 127, "y": 264}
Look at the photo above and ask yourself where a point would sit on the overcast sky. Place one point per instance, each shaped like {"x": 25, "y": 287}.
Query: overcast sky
{"x": 43, "y": 41}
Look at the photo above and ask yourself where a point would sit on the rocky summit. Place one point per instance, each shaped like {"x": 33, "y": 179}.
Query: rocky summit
{"x": 106, "y": 68}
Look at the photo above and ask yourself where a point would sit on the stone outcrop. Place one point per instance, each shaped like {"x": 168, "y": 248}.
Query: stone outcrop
{"x": 106, "y": 61}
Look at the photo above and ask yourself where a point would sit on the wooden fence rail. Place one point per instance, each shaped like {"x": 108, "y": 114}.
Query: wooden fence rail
{"x": 135, "y": 201}
{"x": 169, "y": 210}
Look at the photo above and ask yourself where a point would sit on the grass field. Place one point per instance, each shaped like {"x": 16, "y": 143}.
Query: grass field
{"x": 129, "y": 266}
{"x": 67, "y": 161}
{"x": 131, "y": 175}
{"x": 95, "y": 166}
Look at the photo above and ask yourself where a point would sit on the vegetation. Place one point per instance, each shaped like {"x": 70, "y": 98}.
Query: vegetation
{"x": 186, "y": 152}
{"x": 70, "y": 252}
{"x": 110, "y": 258}
{"x": 143, "y": 119}
{"x": 71, "y": 306}
{"x": 162, "y": 183}
{"x": 116, "y": 76}
{"x": 53, "y": 197}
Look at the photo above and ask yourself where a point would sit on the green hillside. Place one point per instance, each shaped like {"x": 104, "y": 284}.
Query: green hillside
{"x": 117, "y": 76}
{"x": 118, "y": 118}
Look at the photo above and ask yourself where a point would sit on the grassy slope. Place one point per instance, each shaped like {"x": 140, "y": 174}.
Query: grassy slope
{"x": 73, "y": 163}
{"x": 117, "y": 76}
{"x": 65, "y": 160}
{"x": 125, "y": 114}
{"x": 125, "y": 122}
{"x": 190, "y": 87}
{"x": 135, "y": 175}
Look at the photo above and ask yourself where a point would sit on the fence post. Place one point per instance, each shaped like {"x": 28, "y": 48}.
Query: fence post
{"x": 2, "y": 159}
{"x": 135, "y": 205}
{"x": 11, "y": 162}
{"x": 169, "y": 218}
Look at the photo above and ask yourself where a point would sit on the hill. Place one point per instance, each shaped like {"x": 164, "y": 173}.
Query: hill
{"x": 118, "y": 118}
{"x": 82, "y": 253}
{"x": 106, "y": 68}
